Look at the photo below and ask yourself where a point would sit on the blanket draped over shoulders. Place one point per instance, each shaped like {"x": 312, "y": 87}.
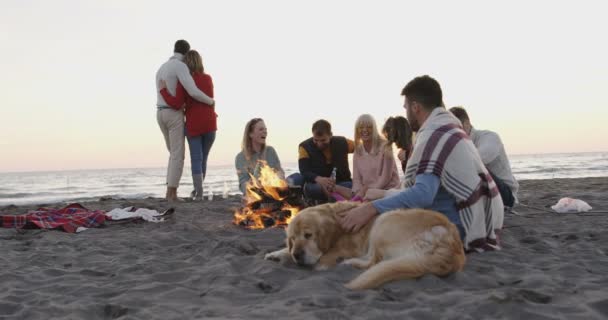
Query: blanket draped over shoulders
{"x": 445, "y": 150}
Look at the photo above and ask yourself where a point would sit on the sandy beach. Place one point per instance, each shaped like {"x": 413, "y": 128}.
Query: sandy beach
{"x": 199, "y": 265}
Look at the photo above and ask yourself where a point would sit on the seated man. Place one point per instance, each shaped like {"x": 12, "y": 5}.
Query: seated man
{"x": 493, "y": 156}
{"x": 319, "y": 156}
{"x": 444, "y": 173}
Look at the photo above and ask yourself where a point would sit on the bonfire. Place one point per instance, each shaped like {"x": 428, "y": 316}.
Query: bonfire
{"x": 269, "y": 201}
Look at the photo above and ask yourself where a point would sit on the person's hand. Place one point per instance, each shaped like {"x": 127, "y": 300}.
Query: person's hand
{"x": 327, "y": 184}
{"x": 162, "y": 84}
{"x": 374, "y": 194}
{"x": 358, "y": 217}
{"x": 361, "y": 193}
{"x": 401, "y": 155}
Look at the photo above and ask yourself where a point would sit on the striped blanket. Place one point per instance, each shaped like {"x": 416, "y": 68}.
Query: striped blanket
{"x": 68, "y": 218}
{"x": 444, "y": 149}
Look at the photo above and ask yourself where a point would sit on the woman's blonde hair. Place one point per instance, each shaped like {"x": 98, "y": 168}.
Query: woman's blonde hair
{"x": 246, "y": 145}
{"x": 377, "y": 141}
{"x": 194, "y": 61}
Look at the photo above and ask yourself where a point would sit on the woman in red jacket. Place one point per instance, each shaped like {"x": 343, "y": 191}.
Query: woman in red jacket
{"x": 201, "y": 119}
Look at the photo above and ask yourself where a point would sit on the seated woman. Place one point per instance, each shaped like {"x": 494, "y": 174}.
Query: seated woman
{"x": 397, "y": 130}
{"x": 373, "y": 162}
{"x": 254, "y": 150}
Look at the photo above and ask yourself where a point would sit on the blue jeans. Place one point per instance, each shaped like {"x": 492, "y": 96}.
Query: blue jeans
{"x": 199, "y": 152}
{"x": 311, "y": 189}
{"x": 505, "y": 192}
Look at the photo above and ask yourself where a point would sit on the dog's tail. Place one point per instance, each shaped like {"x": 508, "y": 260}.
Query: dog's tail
{"x": 441, "y": 261}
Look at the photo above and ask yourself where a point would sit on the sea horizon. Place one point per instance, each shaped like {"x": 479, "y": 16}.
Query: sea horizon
{"x": 287, "y": 163}
{"x": 56, "y": 186}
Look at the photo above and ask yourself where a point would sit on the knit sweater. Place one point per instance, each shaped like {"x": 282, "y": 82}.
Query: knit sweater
{"x": 378, "y": 171}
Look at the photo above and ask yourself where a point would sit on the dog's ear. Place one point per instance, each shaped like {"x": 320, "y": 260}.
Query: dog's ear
{"x": 328, "y": 232}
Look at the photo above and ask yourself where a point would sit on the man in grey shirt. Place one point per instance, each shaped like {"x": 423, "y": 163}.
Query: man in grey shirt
{"x": 493, "y": 156}
{"x": 171, "y": 121}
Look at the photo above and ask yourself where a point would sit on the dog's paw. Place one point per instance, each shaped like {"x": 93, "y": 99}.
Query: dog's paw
{"x": 321, "y": 267}
{"x": 356, "y": 263}
{"x": 277, "y": 256}
{"x": 272, "y": 257}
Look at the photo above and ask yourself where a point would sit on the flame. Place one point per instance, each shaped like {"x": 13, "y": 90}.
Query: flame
{"x": 250, "y": 195}
{"x": 272, "y": 185}
{"x": 294, "y": 212}
{"x": 254, "y": 220}
{"x": 271, "y": 182}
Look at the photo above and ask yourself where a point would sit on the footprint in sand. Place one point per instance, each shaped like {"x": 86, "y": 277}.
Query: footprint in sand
{"x": 534, "y": 296}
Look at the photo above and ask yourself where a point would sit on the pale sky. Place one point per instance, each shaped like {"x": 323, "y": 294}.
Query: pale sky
{"x": 77, "y": 77}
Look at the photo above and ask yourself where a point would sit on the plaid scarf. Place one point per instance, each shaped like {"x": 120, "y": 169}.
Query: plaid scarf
{"x": 68, "y": 218}
{"x": 445, "y": 150}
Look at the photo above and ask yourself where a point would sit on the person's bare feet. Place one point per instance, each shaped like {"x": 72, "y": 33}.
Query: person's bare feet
{"x": 172, "y": 195}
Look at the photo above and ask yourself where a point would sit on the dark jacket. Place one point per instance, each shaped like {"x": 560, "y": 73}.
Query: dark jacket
{"x": 316, "y": 164}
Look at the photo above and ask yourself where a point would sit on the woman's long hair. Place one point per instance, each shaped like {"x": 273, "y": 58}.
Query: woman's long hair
{"x": 246, "y": 145}
{"x": 398, "y": 131}
{"x": 194, "y": 61}
{"x": 377, "y": 140}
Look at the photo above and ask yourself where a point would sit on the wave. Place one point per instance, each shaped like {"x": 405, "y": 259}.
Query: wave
{"x": 138, "y": 183}
{"x": 25, "y": 195}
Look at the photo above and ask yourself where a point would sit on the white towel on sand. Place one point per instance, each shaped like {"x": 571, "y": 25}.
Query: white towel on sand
{"x": 127, "y": 213}
{"x": 571, "y": 205}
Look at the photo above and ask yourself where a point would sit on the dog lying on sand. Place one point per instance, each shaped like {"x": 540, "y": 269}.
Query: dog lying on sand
{"x": 399, "y": 244}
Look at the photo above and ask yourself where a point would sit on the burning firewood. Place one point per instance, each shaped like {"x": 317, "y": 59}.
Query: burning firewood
{"x": 269, "y": 201}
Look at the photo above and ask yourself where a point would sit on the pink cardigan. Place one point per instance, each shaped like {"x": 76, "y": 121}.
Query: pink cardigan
{"x": 374, "y": 171}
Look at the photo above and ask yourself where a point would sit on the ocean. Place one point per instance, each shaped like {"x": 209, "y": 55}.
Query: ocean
{"x": 20, "y": 188}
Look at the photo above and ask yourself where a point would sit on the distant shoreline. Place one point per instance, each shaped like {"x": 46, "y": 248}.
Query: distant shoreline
{"x": 286, "y": 163}
{"x": 542, "y": 183}
{"x": 83, "y": 185}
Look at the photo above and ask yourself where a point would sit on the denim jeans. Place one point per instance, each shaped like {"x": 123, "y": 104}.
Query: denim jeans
{"x": 505, "y": 192}
{"x": 199, "y": 152}
{"x": 311, "y": 189}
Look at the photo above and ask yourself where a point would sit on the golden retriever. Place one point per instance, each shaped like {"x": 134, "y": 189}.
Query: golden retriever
{"x": 399, "y": 244}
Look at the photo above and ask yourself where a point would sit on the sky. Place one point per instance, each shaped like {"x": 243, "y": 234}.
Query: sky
{"x": 78, "y": 89}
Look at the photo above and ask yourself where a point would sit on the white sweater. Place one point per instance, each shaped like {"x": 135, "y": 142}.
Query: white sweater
{"x": 172, "y": 71}
{"x": 493, "y": 155}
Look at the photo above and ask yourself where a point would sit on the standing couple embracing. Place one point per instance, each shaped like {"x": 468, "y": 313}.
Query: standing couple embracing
{"x": 184, "y": 90}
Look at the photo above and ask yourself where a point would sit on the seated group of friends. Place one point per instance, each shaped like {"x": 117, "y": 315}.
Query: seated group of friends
{"x": 448, "y": 166}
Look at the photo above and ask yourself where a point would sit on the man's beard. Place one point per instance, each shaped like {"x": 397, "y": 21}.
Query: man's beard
{"x": 413, "y": 122}
{"x": 415, "y": 125}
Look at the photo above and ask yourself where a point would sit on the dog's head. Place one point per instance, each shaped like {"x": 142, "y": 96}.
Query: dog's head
{"x": 313, "y": 231}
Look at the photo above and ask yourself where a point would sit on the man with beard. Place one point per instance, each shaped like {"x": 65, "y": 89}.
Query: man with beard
{"x": 323, "y": 163}
{"x": 445, "y": 173}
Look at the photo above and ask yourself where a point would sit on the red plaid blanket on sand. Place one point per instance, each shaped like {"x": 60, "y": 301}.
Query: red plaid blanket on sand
{"x": 69, "y": 218}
